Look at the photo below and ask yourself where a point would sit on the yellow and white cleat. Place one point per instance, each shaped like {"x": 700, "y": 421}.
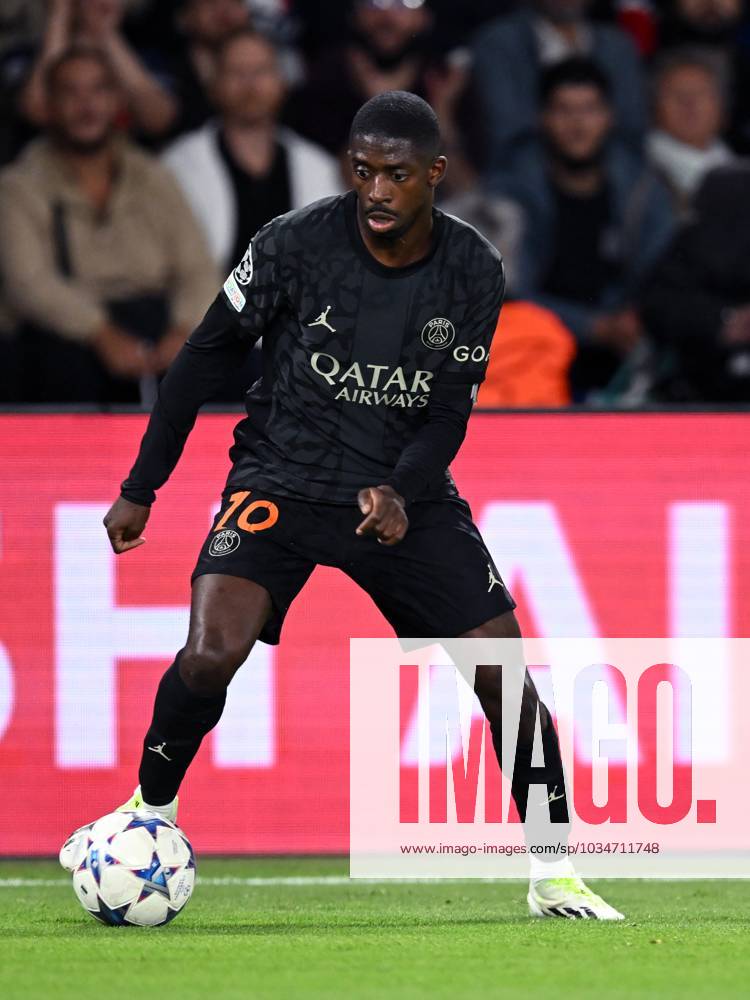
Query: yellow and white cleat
{"x": 135, "y": 802}
{"x": 73, "y": 850}
{"x": 568, "y": 897}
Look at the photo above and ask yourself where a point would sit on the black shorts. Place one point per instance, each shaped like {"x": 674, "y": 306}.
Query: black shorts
{"x": 439, "y": 581}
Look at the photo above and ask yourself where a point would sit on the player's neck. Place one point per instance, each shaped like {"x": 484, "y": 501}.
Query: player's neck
{"x": 401, "y": 251}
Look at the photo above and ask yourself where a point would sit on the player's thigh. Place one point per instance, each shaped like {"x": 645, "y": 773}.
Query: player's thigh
{"x": 503, "y": 626}
{"x": 440, "y": 581}
{"x": 227, "y": 614}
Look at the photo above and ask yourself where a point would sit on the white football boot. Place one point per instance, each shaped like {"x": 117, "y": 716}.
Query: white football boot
{"x": 73, "y": 850}
{"x": 568, "y": 897}
{"x": 135, "y": 802}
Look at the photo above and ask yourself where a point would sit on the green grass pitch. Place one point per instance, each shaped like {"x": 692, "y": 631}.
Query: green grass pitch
{"x": 254, "y": 936}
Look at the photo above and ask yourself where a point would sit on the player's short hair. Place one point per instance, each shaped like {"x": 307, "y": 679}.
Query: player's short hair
{"x": 72, "y": 54}
{"x": 578, "y": 71}
{"x": 400, "y": 115}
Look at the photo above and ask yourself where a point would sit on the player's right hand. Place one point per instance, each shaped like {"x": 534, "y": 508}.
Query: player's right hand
{"x": 385, "y": 514}
{"x": 125, "y": 522}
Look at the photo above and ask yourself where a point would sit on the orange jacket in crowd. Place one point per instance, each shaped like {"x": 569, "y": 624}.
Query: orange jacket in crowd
{"x": 530, "y": 358}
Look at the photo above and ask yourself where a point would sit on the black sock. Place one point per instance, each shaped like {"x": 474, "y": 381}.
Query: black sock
{"x": 551, "y": 774}
{"x": 181, "y": 720}
{"x": 538, "y": 815}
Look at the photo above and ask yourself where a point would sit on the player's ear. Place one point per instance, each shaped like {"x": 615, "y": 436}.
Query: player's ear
{"x": 437, "y": 170}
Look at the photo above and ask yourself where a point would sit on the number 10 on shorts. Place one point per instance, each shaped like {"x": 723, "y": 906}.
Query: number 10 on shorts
{"x": 269, "y": 515}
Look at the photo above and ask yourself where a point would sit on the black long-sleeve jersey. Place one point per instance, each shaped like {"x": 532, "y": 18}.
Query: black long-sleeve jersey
{"x": 369, "y": 371}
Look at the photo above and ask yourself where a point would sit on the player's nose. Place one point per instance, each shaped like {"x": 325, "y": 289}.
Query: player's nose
{"x": 380, "y": 191}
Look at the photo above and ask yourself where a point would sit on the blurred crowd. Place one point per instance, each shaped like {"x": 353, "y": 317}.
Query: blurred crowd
{"x": 599, "y": 145}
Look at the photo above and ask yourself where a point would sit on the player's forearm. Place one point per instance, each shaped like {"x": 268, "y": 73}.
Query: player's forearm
{"x": 170, "y": 423}
{"x": 433, "y": 449}
{"x": 193, "y": 379}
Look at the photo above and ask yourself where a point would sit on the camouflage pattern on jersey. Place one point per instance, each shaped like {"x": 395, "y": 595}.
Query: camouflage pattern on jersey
{"x": 352, "y": 349}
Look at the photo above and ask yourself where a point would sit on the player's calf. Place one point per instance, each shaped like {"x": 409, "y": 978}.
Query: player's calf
{"x": 181, "y": 719}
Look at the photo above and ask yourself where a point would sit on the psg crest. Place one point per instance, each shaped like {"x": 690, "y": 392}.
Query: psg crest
{"x": 225, "y": 542}
{"x": 244, "y": 270}
{"x": 438, "y": 334}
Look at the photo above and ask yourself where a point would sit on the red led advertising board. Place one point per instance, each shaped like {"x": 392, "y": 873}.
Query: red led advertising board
{"x": 604, "y": 524}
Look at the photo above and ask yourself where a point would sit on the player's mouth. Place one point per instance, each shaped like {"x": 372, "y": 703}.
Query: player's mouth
{"x": 381, "y": 222}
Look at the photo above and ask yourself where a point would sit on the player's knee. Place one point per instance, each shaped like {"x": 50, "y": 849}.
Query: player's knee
{"x": 207, "y": 667}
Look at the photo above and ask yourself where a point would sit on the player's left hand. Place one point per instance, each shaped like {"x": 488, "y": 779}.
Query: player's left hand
{"x": 385, "y": 514}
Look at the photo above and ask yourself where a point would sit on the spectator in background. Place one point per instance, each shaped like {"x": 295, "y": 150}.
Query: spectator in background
{"x": 639, "y": 18}
{"x": 324, "y": 22}
{"x": 697, "y": 303}
{"x": 595, "y": 219}
{"x": 204, "y": 26}
{"x": 280, "y": 21}
{"x": 388, "y": 48}
{"x": 97, "y": 23}
{"x": 700, "y": 22}
{"x": 101, "y": 259}
{"x": 530, "y": 360}
{"x": 689, "y": 111}
{"x": 511, "y": 52}
{"x": 715, "y": 26}
{"x": 242, "y": 170}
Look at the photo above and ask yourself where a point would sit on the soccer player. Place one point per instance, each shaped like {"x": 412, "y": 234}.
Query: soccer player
{"x": 376, "y": 313}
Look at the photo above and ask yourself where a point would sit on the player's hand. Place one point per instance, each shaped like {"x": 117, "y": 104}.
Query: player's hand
{"x": 386, "y": 517}
{"x": 122, "y": 354}
{"x": 125, "y": 522}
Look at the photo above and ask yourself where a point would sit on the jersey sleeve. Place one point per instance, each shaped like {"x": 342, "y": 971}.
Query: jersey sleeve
{"x": 466, "y": 362}
{"x": 256, "y": 289}
{"x": 213, "y": 351}
{"x": 437, "y": 442}
{"x": 247, "y": 304}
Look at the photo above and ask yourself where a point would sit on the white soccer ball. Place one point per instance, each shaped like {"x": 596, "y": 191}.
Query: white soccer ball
{"x": 132, "y": 868}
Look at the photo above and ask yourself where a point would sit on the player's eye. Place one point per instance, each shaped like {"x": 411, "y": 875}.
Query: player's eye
{"x": 399, "y": 176}
{"x": 361, "y": 172}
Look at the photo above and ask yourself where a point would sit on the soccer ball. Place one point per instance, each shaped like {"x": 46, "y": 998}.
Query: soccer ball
{"x": 132, "y": 868}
